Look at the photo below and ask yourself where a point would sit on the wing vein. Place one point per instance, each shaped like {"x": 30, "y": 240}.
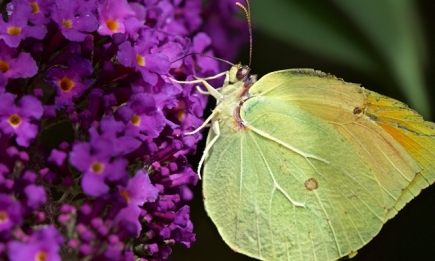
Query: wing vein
{"x": 288, "y": 146}
{"x": 274, "y": 180}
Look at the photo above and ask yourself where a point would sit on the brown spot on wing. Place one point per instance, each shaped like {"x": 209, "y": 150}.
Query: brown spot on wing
{"x": 357, "y": 110}
{"x": 311, "y": 184}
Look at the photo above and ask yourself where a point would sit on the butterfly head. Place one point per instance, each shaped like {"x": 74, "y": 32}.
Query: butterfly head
{"x": 239, "y": 73}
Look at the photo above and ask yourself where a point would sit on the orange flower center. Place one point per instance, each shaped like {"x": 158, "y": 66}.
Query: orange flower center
{"x": 4, "y": 66}
{"x": 41, "y": 256}
{"x": 3, "y": 216}
{"x": 14, "y": 120}
{"x": 181, "y": 111}
{"x": 67, "y": 23}
{"x": 13, "y": 30}
{"x": 35, "y": 7}
{"x": 66, "y": 84}
{"x": 135, "y": 119}
{"x": 112, "y": 25}
{"x": 97, "y": 167}
{"x": 181, "y": 115}
{"x": 140, "y": 60}
{"x": 125, "y": 195}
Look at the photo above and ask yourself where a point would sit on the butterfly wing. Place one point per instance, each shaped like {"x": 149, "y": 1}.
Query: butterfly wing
{"x": 393, "y": 139}
{"x": 289, "y": 186}
{"x": 414, "y": 134}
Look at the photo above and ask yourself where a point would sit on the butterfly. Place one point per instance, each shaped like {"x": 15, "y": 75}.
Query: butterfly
{"x": 301, "y": 165}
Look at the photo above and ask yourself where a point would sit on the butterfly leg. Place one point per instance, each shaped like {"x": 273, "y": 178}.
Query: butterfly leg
{"x": 201, "y": 91}
{"x": 197, "y": 86}
{"x": 216, "y": 130}
{"x": 203, "y": 125}
{"x": 210, "y": 89}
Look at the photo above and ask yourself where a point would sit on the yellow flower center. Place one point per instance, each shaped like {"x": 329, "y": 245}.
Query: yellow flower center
{"x": 14, "y": 120}
{"x": 112, "y": 25}
{"x": 181, "y": 115}
{"x": 125, "y": 195}
{"x": 140, "y": 60}
{"x": 181, "y": 111}
{"x": 35, "y": 7}
{"x": 13, "y": 30}
{"x": 3, "y": 216}
{"x": 41, "y": 256}
{"x": 135, "y": 119}
{"x": 4, "y": 66}
{"x": 66, "y": 84}
{"x": 97, "y": 167}
{"x": 67, "y": 23}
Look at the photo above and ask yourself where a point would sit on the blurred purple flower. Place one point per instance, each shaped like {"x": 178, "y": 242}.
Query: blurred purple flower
{"x": 10, "y": 214}
{"x": 138, "y": 191}
{"x": 16, "y": 65}
{"x": 94, "y": 160}
{"x": 17, "y": 120}
{"x": 35, "y": 196}
{"x": 16, "y": 28}
{"x": 57, "y": 157}
{"x": 227, "y": 33}
{"x": 113, "y": 13}
{"x": 70, "y": 81}
{"x": 139, "y": 57}
{"x": 115, "y": 132}
{"x": 74, "y": 20}
{"x": 43, "y": 245}
{"x": 141, "y": 115}
{"x": 40, "y": 11}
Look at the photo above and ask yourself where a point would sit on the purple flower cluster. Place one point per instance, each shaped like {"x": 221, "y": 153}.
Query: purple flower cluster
{"x": 92, "y": 147}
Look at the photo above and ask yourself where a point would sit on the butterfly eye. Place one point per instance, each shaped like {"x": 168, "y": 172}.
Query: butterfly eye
{"x": 243, "y": 72}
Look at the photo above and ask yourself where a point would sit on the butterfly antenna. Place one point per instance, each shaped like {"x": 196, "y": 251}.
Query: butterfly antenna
{"x": 205, "y": 55}
{"x": 247, "y": 11}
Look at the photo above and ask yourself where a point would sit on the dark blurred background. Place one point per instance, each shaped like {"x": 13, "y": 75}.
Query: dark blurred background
{"x": 386, "y": 46}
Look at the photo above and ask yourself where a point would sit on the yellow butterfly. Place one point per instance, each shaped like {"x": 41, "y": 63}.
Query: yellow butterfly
{"x": 301, "y": 165}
